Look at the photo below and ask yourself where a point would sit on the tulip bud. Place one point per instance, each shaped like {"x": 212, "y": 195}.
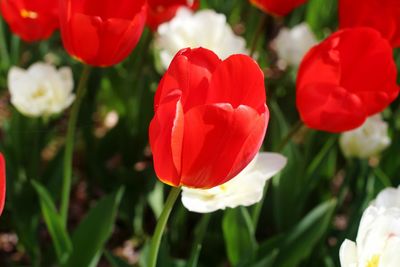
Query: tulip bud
{"x": 101, "y": 33}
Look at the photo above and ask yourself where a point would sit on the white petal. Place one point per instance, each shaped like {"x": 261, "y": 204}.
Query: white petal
{"x": 348, "y": 254}
{"x": 245, "y": 189}
{"x": 40, "y": 90}
{"x": 269, "y": 164}
{"x": 188, "y": 29}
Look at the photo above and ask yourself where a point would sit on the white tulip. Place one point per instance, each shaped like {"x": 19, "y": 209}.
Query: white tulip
{"x": 292, "y": 44}
{"x": 378, "y": 240}
{"x": 368, "y": 140}
{"x": 41, "y": 90}
{"x": 243, "y": 190}
{"x": 388, "y": 198}
{"x": 205, "y": 28}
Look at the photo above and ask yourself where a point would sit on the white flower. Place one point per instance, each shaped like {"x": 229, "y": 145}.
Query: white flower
{"x": 388, "y": 198}
{"x": 244, "y": 190}
{"x": 292, "y": 44}
{"x": 378, "y": 240}
{"x": 368, "y": 140}
{"x": 205, "y": 28}
{"x": 41, "y": 90}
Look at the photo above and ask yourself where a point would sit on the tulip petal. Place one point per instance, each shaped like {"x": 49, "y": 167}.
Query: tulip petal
{"x": 190, "y": 71}
{"x": 2, "y": 182}
{"x": 166, "y": 137}
{"x": 330, "y": 108}
{"x": 83, "y": 40}
{"x": 362, "y": 79}
{"x": 348, "y": 254}
{"x": 269, "y": 164}
{"x": 238, "y": 80}
{"x": 219, "y": 142}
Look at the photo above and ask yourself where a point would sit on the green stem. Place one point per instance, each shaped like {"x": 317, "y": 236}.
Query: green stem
{"x": 162, "y": 222}
{"x": 260, "y": 28}
{"x": 69, "y": 144}
{"x": 295, "y": 129}
{"x": 200, "y": 233}
{"x": 3, "y": 46}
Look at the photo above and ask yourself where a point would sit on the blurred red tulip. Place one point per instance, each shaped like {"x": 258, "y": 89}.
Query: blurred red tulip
{"x": 210, "y": 118}
{"x": 382, "y": 15}
{"x": 32, "y": 20}
{"x": 161, "y": 11}
{"x": 2, "y": 182}
{"x": 277, "y": 7}
{"x": 101, "y": 32}
{"x": 348, "y": 77}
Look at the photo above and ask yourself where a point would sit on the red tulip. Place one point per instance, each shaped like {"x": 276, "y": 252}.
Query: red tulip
{"x": 32, "y": 20}
{"x": 102, "y": 32}
{"x": 161, "y": 11}
{"x": 210, "y": 118}
{"x": 277, "y": 7}
{"x": 2, "y": 182}
{"x": 382, "y": 15}
{"x": 348, "y": 77}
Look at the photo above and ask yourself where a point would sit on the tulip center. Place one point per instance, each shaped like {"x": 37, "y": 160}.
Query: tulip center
{"x": 374, "y": 261}
{"x": 39, "y": 93}
{"x": 28, "y": 14}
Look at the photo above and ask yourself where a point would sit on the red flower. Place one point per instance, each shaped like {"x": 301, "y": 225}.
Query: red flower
{"x": 277, "y": 7}
{"x": 161, "y": 11}
{"x": 210, "y": 118}
{"x": 102, "y": 32}
{"x": 32, "y": 20}
{"x": 2, "y": 183}
{"x": 348, "y": 77}
{"x": 382, "y": 15}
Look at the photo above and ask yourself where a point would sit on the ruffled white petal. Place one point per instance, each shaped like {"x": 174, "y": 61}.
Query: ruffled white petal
{"x": 205, "y": 28}
{"x": 243, "y": 190}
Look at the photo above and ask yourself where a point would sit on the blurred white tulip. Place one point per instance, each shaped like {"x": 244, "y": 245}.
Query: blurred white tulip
{"x": 205, "y": 28}
{"x": 378, "y": 240}
{"x": 291, "y": 45}
{"x": 244, "y": 190}
{"x": 368, "y": 140}
{"x": 41, "y": 90}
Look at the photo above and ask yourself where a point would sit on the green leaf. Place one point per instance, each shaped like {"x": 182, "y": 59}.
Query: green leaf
{"x": 59, "y": 235}
{"x": 91, "y": 235}
{"x": 301, "y": 240}
{"x": 321, "y": 15}
{"x": 239, "y": 236}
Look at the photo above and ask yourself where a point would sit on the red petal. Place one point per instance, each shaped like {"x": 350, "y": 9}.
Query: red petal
{"x": 219, "y": 141}
{"x": 2, "y": 182}
{"x": 382, "y": 15}
{"x": 277, "y": 7}
{"x": 329, "y": 107}
{"x": 368, "y": 71}
{"x": 349, "y": 76}
{"x": 238, "y": 80}
{"x": 166, "y": 135}
{"x": 190, "y": 72}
